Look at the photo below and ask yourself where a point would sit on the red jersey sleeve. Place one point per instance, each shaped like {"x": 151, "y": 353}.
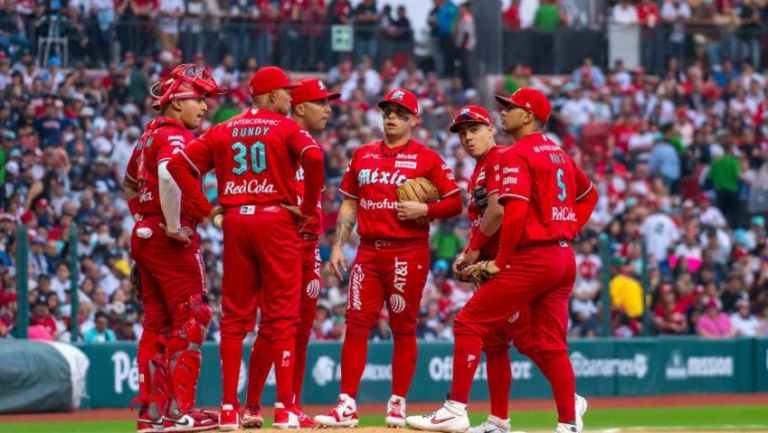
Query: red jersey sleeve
{"x": 493, "y": 173}
{"x": 442, "y": 177}
{"x": 348, "y": 185}
{"x": 299, "y": 140}
{"x": 188, "y": 166}
{"x": 515, "y": 177}
{"x": 583, "y": 184}
{"x": 198, "y": 153}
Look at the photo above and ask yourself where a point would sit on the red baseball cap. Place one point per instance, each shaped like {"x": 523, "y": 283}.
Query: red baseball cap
{"x": 530, "y": 100}
{"x": 311, "y": 89}
{"x": 270, "y": 78}
{"x": 403, "y": 98}
{"x": 470, "y": 114}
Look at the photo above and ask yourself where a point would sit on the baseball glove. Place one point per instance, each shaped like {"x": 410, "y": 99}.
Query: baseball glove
{"x": 136, "y": 282}
{"x": 419, "y": 189}
{"x": 482, "y": 272}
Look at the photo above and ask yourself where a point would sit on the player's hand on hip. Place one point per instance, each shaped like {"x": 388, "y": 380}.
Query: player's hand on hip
{"x": 338, "y": 262}
{"x": 411, "y": 210}
{"x": 184, "y": 234}
{"x": 301, "y": 219}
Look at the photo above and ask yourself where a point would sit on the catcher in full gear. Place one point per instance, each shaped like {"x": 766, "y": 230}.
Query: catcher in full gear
{"x": 392, "y": 188}
{"x": 169, "y": 267}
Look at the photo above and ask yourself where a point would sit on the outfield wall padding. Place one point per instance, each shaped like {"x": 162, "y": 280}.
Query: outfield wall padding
{"x": 603, "y": 367}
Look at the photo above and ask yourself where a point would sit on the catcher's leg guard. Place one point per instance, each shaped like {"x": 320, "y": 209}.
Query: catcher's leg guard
{"x": 182, "y": 356}
{"x": 154, "y": 383}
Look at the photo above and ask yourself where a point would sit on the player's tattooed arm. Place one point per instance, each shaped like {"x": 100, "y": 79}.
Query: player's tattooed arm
{"x": 344, "y": 224}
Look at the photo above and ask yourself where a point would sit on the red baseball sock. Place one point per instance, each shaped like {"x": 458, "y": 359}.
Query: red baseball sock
{"x": 283, "y": 356}
{"x": 499, "y": 380}
{"x": 557, "y": 368}
{"x": 353, "y": 355}
{"x": 299, "y": 365}
{"x": 404, "y": 356}
{"x": 466, "y": 357}
{"x": 231, "y": 356}
{"x": 259, "y": 364}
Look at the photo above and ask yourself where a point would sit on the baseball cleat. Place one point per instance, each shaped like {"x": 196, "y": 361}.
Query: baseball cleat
{"x": 395, "y": 412}
{"x": 194, "y": 420}
{"x": 563, "y": 427}
{"x": 581, "y": 409}
{"x": 147, "y": 425}
{"x": 252, "y": 417}
{"x": 493, "y": 424}
{"x": 229, "y": 418}
{"x": 304, "y": 420}
{"x": 451, "y": 418}
{"x": 343, "y": 415}
{"x": 285, "y": 418}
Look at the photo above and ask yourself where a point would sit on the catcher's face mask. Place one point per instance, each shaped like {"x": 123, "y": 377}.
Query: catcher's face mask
{"x": 187, "y": 81}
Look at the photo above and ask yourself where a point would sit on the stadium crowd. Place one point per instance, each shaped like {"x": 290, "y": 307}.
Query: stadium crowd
{"x": 680, "y": 161}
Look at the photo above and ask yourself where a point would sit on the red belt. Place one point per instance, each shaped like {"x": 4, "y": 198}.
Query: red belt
{"x": 380, "y": 244}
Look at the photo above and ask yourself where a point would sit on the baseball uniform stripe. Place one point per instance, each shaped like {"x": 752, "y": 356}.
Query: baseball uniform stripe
{"x": 522, "y": 197}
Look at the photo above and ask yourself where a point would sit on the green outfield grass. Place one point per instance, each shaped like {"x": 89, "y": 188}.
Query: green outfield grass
{"x": 725, "y": 418}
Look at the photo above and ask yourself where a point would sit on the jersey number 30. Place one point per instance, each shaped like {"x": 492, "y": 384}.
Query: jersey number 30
{"x": 258, "y": 156}
{"x": 561, "y": 185}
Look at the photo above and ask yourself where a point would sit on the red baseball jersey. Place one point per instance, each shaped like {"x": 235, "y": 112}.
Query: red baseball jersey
{"x": 162, "y": 136}
{"x": 535, "y": 169}
{"x": 252, "y": 153}
{"x": 484, "y": 182}
{"x": 373, "y": 176}
{"x": 315, "y": 225}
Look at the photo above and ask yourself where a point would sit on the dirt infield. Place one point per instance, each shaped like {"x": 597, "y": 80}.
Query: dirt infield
{"x": 679, "y": 400}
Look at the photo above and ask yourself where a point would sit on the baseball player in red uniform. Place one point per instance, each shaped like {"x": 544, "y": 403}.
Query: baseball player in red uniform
{"x": 311, "y": 110}
{"x": 475, "y": 130}
{"x": 393, "y": 258}
{"x": 168, "y": 260}
{"x": 255, "y": 156}
{"x": 546, "y": 199}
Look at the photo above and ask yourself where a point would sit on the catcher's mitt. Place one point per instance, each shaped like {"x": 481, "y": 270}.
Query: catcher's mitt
{"x": 482, "y": 272}
{"x": 136, "y": 282}
{"x": 419, "y": 189}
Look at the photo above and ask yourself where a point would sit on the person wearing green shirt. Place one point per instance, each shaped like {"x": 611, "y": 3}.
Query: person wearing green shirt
{"x": 445, "y": 244}
{"x": 724, "y": 174}
{"x": 547, "y": 18}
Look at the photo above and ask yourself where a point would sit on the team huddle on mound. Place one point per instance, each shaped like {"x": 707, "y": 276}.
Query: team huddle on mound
{"x": 527, "y": 203}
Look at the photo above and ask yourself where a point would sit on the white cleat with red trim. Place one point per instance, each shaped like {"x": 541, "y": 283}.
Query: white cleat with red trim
{"x": 343, "y": 415}
{"x": 451, "y": 418}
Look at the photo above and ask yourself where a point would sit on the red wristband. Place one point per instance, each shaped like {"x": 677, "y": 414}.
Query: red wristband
{"x": 479, "y": 239}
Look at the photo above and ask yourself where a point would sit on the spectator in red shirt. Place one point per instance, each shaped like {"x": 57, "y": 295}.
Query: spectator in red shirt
{"x": 511, "y": 17}
{"x": 41, "y": 316}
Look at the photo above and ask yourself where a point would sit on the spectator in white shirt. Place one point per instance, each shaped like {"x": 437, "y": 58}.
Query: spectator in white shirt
{"x": 743, "y": 322}
{"x": 624, "y": 13}
{"x": 660, "y": 233}
{"x": 710, "y": 215}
